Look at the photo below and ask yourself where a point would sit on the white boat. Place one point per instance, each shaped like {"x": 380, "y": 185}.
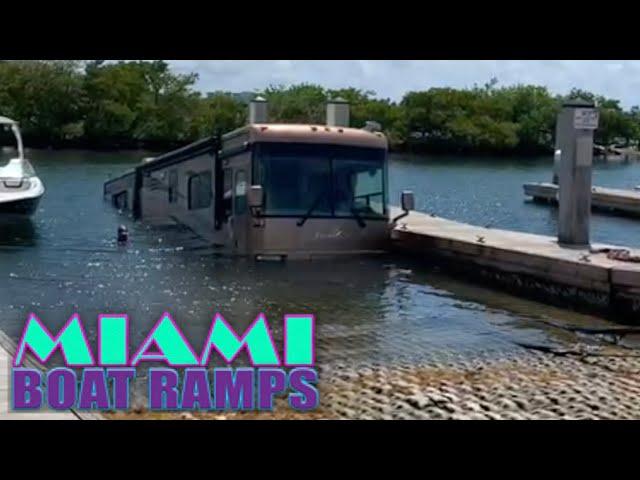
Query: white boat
{"x": 20, "y": 188}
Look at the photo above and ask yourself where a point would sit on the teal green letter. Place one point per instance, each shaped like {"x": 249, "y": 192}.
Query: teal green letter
{"x": 256, "y": 339}
{"x": 71, "y": 340}
{"x": 298, "y": 340}
{"x": 173, "y": 348}
{"x": 112, "y": 340}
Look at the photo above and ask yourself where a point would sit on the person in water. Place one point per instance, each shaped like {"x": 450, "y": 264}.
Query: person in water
{"x": 123, "y": 235}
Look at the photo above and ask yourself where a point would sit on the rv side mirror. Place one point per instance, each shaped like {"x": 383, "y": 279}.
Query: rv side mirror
{"x": 255, "y": 197}
{"x": 407, "y": 201}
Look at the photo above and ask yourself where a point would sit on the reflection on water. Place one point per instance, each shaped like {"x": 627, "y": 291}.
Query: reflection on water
{"x": 17, "y": 232}
{"x": 373, "y": 310}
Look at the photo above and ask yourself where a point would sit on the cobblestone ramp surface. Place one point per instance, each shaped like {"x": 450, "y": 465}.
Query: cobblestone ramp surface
{"x": 535, "y": 385}
{"x": 603, "y": 383}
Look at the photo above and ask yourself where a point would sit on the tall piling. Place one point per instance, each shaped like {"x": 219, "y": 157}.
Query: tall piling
{"x": 577, "y": 122}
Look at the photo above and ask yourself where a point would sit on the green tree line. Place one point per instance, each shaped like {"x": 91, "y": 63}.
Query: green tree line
{"x": 131, "y": 104}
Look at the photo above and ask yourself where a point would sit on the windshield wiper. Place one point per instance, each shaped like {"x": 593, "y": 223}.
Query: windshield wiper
{"x": 315, "y": 204}
{"x": 358, "y": 218}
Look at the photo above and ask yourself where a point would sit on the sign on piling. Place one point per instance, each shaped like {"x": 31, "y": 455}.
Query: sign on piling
{"x": 585, "y": 118}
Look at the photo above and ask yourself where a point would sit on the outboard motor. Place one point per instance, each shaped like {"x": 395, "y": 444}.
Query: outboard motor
{"x": 123, "y": 235}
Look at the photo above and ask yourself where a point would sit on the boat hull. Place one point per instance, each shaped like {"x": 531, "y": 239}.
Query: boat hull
{"x": 19, "y": 207}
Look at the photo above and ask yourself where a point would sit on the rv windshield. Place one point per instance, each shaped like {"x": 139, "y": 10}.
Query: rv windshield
{"x": 310, "y": 180}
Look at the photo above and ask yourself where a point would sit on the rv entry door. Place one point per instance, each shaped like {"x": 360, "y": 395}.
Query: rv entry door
{"x": 239, "y": 222}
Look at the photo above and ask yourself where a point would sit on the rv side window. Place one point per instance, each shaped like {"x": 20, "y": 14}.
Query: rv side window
{"x": 173, "y": 186}
{"x": 120, "y": 201}
{"x": 240, "y": 197}
{"x": 200, "y": 191}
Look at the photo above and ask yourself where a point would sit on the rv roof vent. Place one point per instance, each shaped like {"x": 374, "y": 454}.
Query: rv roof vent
{"x": 371, "y": 126}
{"x": 258, "y": 110}
{"x": 338, "y": 112}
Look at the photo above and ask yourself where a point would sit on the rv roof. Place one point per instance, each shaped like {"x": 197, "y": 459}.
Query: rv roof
{"x": 274, "y": 132}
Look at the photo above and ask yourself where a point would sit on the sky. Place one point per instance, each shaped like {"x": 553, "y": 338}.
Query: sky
{"x": 618, "y": 79}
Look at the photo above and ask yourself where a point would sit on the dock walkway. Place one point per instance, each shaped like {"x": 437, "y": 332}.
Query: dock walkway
{"x": 6, "y": 354}
{"x": 609, "y": 199}
{"x": 6, "y": 413}
{"x": 524, "y": 261}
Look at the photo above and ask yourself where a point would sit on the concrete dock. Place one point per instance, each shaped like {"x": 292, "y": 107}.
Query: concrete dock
{"x": 532, "y": 264}
{"x": 626, "y": 202}
{"x": 7, "y": 348}
{"x": 6, "y": 413}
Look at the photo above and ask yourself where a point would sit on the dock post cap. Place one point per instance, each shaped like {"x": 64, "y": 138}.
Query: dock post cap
{"x": 578, "y": 103}
{"x": 259, "y": 99}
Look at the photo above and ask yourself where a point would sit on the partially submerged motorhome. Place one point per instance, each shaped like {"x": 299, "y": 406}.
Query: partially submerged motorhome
{"x": 271, "y": 190}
